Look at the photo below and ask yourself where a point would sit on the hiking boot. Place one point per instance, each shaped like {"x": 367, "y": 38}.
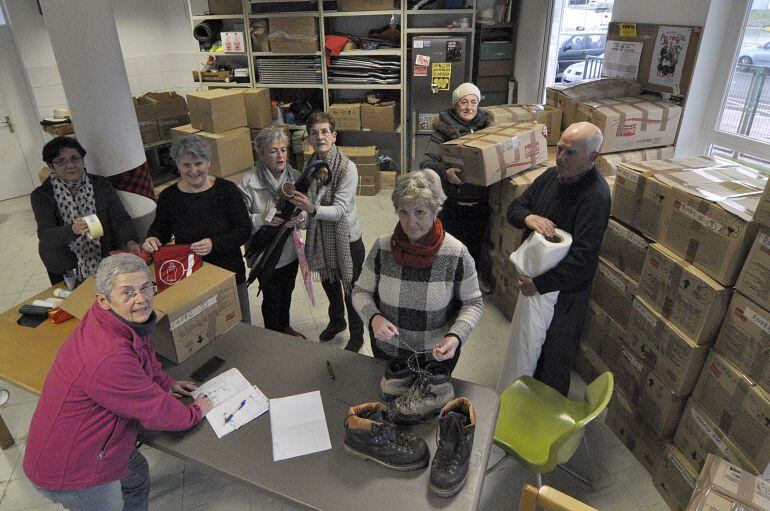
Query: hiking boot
{"x": 398, "y": 379}
{"x": 422, "y": 402}
{"x": 370, "y": 435}
{"x": 456, "y": 424}
{"x": 331, "y": 330}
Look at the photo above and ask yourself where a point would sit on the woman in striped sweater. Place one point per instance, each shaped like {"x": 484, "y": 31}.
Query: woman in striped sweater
{"x": 418, "y": 290}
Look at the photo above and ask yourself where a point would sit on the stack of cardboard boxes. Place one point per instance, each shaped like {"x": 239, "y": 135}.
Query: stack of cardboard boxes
{"x": 158, "y": 113}
{"x": 382, "y": 117}
{"x": 224, "y": 118}
{"x": 365, "y": 158}
{"x": 680, "y": 233}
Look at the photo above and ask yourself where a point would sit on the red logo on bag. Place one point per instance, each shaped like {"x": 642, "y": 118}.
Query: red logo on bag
{"x": 173, "y": 263}
{"x": 171, "y": 272}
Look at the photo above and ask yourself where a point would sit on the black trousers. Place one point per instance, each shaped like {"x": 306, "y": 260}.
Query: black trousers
{"x": 337, "y": 303}
{"x": 424, "y": 359}
{"x": 561, "y": 340}
{"x": 276, "y": 301}
{"x": 466, "y": 223}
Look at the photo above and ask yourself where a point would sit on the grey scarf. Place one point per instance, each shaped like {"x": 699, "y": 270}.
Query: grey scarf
{"x": 268, "y": 181}
{"x": 83, "y": 203}
{"x": 328, "y": 243}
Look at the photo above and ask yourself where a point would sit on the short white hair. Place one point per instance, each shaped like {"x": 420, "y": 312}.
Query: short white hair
{"x": 419, "y": 184}
{"x": 115, "y": 265}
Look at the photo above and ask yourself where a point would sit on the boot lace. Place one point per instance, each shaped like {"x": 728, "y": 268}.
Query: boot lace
{"x": 444, "y": 459}
{"x": 399, "y": 440}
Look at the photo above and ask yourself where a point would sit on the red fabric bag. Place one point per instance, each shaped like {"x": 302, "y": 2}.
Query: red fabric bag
{"x": 173, "y": 263}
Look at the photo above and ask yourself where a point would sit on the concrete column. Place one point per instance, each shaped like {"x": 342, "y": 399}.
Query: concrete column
{"x": 90, "y": 61}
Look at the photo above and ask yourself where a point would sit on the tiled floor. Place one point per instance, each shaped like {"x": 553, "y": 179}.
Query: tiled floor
{"x": 622, "y": 484}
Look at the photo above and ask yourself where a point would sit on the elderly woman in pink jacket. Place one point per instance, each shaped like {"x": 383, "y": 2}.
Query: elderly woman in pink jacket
{"x": 106, "y": 381}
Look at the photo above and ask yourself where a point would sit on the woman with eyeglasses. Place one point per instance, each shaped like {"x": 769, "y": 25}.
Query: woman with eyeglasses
{"x": 105, "y": 382}
{"x": 204, "y": 212}
{"x": 67, "y": 196}
{"x": 465, "y": 213}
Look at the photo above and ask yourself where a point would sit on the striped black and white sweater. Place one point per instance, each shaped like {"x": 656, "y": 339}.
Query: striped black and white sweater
{"x": 426, "y": 304}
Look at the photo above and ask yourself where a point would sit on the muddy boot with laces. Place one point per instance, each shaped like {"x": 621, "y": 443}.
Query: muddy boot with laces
{"x": 370, "y": 435}
{"x": 398, "y": 379}
{"x": 422, "y": 402}
{"x": 456, "y": 424}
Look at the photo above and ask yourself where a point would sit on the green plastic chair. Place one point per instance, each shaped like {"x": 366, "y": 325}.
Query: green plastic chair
{"x": 541, "y": 428}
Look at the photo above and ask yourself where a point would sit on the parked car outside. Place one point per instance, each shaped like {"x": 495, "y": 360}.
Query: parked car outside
{"x": 758, "y": 55}
{"x": 576, "y": 46}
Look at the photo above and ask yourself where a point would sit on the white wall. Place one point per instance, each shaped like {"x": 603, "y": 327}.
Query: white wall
{"x": 534, "y": 20}
{"x": 673, "y": 12}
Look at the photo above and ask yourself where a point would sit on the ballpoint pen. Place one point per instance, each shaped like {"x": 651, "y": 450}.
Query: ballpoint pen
{"x": 331, "y": 371}
{"x": 230, "y": 417}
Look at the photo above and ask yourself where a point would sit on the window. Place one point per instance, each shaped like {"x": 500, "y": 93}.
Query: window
{"x": 2, "y": 16}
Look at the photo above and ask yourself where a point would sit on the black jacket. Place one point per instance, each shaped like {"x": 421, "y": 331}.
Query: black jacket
{"x": 55, "y": 235}
{"x": 450, "y": 127}
{"x": 582, "y": 209}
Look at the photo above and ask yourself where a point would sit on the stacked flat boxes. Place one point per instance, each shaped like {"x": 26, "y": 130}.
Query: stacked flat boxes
{"x": 689, "y": 353}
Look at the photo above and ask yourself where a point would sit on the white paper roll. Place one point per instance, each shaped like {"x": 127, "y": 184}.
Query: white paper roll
{"x": 61, "y": 293}
{"x": 56, "y": 302}
{"x": 537, "y": 255}
{"x": 42, "y": 303}
{"x": 95, "y": 229}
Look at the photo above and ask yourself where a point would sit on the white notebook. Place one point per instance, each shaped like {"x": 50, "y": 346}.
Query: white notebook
{"x": 298, "y": 426}
{"x": 236, "y": 401}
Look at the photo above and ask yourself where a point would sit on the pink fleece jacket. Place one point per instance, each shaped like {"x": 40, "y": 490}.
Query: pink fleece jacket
{"x": 104, "y": 383}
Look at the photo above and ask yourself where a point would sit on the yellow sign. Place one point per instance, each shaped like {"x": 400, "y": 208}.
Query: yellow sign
{"x": 441, "y": 74}
{"x": 628, "y": 30}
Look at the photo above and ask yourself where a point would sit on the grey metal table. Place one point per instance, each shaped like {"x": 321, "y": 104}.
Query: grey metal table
{"x": 330, "y": 480}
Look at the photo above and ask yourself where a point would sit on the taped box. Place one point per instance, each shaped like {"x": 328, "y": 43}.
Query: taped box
{"x": 217, "y": 110}
{"x": 697, "y": 436}
{"x": 148, "y": 124}
{"x": 506, "y": 292}
{"x": 567, "y": 96}
{"x": 360, "y": 155}
{"x": 613, "y": 291}
{"x": 259, "y": 111}
{"x": 347, "y": 116}
{"x": 723, "y": 486}
{"x": 745, "y": 339}
{"x": 293, "y": 34}
{"x": 600, "y": 329}
{"x": 754, "y": 279}
{"x": 607, "y": 164}
{"x": 639, "y": 198}
{"x": 541, "y": 114}
{"x": 492, "y": 154}
{"x": 630, "y": 123}
{"x": 504, "y": 192}
{"x": 762, "y": 214}
{"x": 739, "y": 406}
{"x": 170, "y": 110}
{"x": 708, "y": 219}
{"x": 664, "y": 348}
{"x": 676, "y": 478}
{"x": 624, "y": 248}
{"x": 230, "y": 151}
{"x": 190, "y": 314}
{"x": 688, "y": 298}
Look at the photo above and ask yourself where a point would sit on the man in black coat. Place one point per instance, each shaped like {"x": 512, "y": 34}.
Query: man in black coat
{"x": 574, "y": 197}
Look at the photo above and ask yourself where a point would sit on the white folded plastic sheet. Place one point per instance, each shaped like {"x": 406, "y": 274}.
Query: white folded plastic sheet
{"x": 533, "y": 314}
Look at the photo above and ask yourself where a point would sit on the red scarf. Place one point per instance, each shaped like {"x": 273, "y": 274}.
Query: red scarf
{"x": 414, "y": 256}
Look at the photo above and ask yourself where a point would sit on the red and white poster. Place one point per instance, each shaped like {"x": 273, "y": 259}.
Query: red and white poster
{"x": 668, "y": 56}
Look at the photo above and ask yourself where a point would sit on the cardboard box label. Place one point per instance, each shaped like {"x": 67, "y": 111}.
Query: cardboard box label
{"x": 757, "y": 319}
{"x": 681, "y": 469}
{"x": 632, "y": 359}
{"x": 646, "y": 314}
{"x": 698, "y": 216}
{"x": 623, "y": 174}
{"x": 187, "y": 316}
{"x": 713, "y": 435}
{"x": 610, "y": 275}
{"x": 627, "y": 235}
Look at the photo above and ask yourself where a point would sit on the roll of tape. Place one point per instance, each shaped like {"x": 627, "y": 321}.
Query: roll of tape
{"x": 43, "y": 303}
{"x": 56, "y": 302}
{"x": 61, "y": 293}
{"x": 95, "y": 229}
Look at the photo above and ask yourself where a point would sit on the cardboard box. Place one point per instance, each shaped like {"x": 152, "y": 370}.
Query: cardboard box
{"x": 294, "y": 35}
{"x": 676, "y": 478}
{"x": 697, "y": 436}
{"x": 631, "y": 123}
{"x": 506, "y": 292}
{"x": 503, "y": 237}
{"x": 361, "y": 155}
{"x": 380, "y": 117}
{"x": 664, "y": 348}
{"x": 740, "y": 407}
{"x": 588, "y": 364}
{"x": 613, "y": 291}
{"x": 225, "y": 7}
{"x": 369, "y": 186}
{"x": 368, "y": 169}
{"x": 217, "y": 110}
{"x": 716, "y": 205}
{"x": 190, "y": 314}
{"x": 347, "y": 116}
{"x": 600, "y": 329}
{"x": 691, "y": 300}
{"x": 567, "y": 96}
{"x": 230, "y": 151}
{"x": 655, "y": 403}
{"x": 624, "y": 248}
{"x": 259, "y": 111}
{"x": 183, "y": 131}
{"x": 170, "y": 110}
{"x": 388, "y": 178}
{"x": 762, "y": 213}
{"x": 643, "y": 443}
{"x": 365, "y": 5}
{"x": 232, "y": 42}
{"x": 744, "y": 339}
{"x": 541, "y": 114}
{"x": 639, "y": 198}
{"x": 723, "y": 486}
{"x": 754, "y": 280}
{"x": 504, "y": 192}
{"x": 492, "y": 154}
{"x": 148, "y": 124}
{"x": 607, "y": 164}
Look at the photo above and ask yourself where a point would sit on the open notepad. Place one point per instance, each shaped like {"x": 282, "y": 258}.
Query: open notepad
{"x": 298, "y": 426}
{"x": 236, "y": 401}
